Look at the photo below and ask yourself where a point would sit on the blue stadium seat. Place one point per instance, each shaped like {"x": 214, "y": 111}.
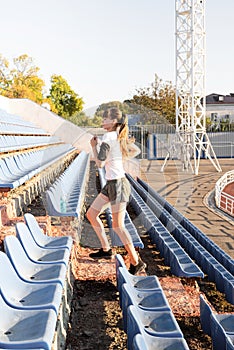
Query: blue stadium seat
{"x": 43, "y": 240}
{"x": 15, "y": 170}
{"x": 222, "y": 326}
{"x": 149, "y": 342}
{"x": 18, "y": 142}
{"x": 205, "y": 315}
{"x": 27, "y": 295}
{"x": 69, "y": 188}
{"x": 155, "y": 323}
{"x": 203, "y": 239}
{"x": 30, "y": 271}
{"x": 230, "y": 342}
{"x": 145, "y": 300}
{"x": 36, "y": 253}
{"x": 119, "y": 262}
{"x": 26, "y": 329}
{"x": 140, "y": 283}
{"x": 176, "y": 257}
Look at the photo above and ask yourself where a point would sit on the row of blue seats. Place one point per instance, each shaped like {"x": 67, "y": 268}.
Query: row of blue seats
{"x": 16, "y": 169}
{"x": 115, "y": 240}
{"x": 147, "y": 317}
{"x": 12, "y": 129}
{"x": 34, "y": 279}
{"x": 220, "y": 327}
{"x": 66, "y": 196}
{"x": 13, "y": 119}
{"x": 10, "y": 143}
{"x": 213, "y": 268}
{"x": 11, "y": 124}
{"x": 175, "y": 256}
{"x": 205, "y": 241}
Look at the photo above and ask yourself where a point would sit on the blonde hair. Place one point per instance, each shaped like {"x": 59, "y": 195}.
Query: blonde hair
{"x": 122, "y": 128}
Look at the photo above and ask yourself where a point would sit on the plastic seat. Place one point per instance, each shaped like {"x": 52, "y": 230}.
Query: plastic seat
{"x": 26, "y": 329}
{"x": 71, "y": 184}
{"x": 43, "y": 240}
{"x": 229, "y": 289}
{"x": 119, "y": 262}
{"x": 230, "y": 342}
{"x": 36, "y": 253}
{"x": 145, "y": 300}
{"x": 222, "y": 325}
{"x": 158, "y": 324}
{"x": 205, "y": 315}
{"x": 168, "y": 246}
{"x": 149, "y": 342}
{"x": 27, "y": 295}
{"x": 30, "y": 271}
{"x": 140, "y": 283}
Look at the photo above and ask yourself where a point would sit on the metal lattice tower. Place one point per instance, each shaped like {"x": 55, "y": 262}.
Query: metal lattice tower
{"x": 191, "y": 137}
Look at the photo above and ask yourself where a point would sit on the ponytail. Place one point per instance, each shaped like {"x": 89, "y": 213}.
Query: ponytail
{"x": 124, "y": 137}
{"x": 121, "y": 127}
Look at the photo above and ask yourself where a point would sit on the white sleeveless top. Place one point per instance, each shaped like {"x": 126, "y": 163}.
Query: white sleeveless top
{"x": 111, "y": 154}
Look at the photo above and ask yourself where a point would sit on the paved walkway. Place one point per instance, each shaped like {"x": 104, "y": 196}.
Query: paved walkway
{"x": 193, "y": 196}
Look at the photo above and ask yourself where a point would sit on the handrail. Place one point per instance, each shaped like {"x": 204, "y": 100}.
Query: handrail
{"x": 223, "y": 200}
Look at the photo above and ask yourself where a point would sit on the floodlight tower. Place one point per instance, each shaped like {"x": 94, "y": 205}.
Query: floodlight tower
{"x": 191, "y": 137}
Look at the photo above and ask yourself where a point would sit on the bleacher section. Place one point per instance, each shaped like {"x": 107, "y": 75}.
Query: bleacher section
{"x": 35, "y": 297}
{"x": 35, "y": 291}
{"x": 219, "y": 326}
{"x": 49, "y": 123}
{"x": 36, "y": 287}
{"x": 211, "y": 259}
{"x": 31, "y": 156}
{"x": 66, "y": 195}
{"x": 146, "y": 311}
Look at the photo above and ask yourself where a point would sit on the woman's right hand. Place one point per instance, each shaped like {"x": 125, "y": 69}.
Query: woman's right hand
{"x": 94, "y": 141}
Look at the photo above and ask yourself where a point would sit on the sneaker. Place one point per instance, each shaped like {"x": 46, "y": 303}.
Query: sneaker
{"x": 134, "y": 269}
{"x": 101, "y": 254}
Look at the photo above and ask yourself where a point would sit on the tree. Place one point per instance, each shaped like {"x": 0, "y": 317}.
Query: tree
{"x": 64, "y": 101}
{"x": 156, "y": 103}
{"x": 21, "y": 81}
{"x": 122, "y": 106}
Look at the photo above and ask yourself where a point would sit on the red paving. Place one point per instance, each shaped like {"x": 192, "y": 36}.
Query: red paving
{"x": 227, "y": 204}
{"x": 229, "y": 189}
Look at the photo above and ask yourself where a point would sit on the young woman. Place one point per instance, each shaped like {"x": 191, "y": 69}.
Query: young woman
{"x": 115, "y": 146}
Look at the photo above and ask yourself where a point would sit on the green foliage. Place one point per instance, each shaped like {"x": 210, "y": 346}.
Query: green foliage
{"x": 156, "y": 103}
{"x": 65, "y": 101}
{"x": 21, "y": 81}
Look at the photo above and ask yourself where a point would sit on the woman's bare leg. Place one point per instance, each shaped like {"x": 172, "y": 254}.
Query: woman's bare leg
{"x": 118, "y": 217}
{"x": 98, "y": 206}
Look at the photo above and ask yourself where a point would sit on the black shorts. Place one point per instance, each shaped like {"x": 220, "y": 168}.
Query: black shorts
{"x": 117, "y": 190}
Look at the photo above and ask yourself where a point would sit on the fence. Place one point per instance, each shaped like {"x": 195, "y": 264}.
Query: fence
{"x": 156, "y": 140}
{"x": 224, "y": 200}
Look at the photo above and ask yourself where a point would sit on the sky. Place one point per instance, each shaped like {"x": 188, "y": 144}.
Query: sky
{"x": 107, "y": 49}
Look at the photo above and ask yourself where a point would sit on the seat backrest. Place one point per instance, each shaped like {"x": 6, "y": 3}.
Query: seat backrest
{"x": 139, "y": 343}
{"x": 119, "y": 261}
{"x": 205, "y": 315}
{"x": 17, "y": 255}
{"x": 34, "y": 228}
{"x": 26, "y": 239}
{"x": 8, "y": 276}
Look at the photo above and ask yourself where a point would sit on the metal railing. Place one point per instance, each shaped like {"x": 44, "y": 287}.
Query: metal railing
{"x": 223, "y": 200}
